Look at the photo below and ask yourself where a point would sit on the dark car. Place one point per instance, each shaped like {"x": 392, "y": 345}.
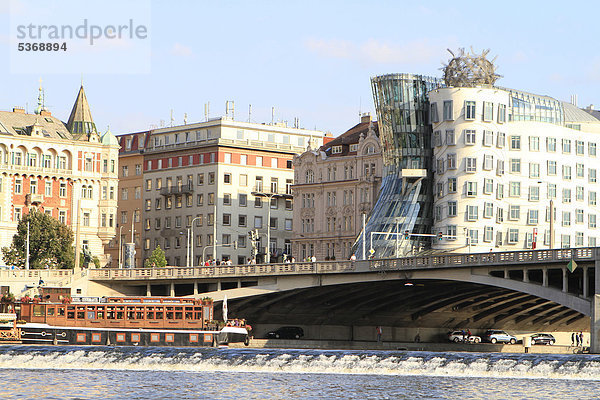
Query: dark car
{"x": 286, "y": 332}
{"x": 542, "y": 338}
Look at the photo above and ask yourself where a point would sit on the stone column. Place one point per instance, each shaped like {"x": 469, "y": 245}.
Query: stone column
{"x": 545, "y": 277}
{"x": 148, "y": 289}
{"x": 525, "y": 275}
{"x": 565, "y": 280}
{"x": 505, "y": 273}
{"x": 195, "y": 288}
{"x": 595, "y": 309}
{"x": 172, "y": 289}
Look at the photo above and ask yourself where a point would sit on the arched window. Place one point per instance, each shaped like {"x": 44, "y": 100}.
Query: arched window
{"x": 371, "y": 149}
{"x": 310, "y": 176}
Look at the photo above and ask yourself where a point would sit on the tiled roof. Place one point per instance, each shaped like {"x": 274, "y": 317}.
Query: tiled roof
{"x": 349, "y": 137}
{"x": 19, "y": 123}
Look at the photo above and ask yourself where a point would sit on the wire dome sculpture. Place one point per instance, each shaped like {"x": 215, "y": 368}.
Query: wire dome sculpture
{"x": 470, "y": 69}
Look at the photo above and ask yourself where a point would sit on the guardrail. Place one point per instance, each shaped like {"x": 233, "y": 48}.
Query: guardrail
{"x": 486, "y": 259}
{"x": 221, "y": 271}
{"x": 35, "y": 273}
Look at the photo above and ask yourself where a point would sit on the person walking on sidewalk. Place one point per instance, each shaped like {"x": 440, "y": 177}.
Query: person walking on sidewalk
{"x": 379, "y": 333}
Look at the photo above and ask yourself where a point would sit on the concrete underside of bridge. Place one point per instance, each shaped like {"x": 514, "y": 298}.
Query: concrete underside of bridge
{"x": 429, "y": 307}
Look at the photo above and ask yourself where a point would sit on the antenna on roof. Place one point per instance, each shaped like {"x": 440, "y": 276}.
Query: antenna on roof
{"x": 172, "y": 119}
{"x": 206, "y": 111}
{"x": 272, "y": 115}
{"x": 230, "y": 107}
{"x": 185, "y": 118}
{"x": 249, "y": 112}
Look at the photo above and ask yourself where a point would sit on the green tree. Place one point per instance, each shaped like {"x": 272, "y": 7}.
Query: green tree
{"x": 157, "y": 259}
{"x": 50, "y": 243}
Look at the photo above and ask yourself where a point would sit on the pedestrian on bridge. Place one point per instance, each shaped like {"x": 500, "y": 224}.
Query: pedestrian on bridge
{"x": 573, "y": 339}
{"x": 379, "y": 330}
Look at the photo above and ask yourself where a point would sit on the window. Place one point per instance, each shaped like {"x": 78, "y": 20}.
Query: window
{"x": 566, "y": 197}
{"x": 448, "y": 110}
{"x": 501, "y": 114}
{"x": 579, "y": 170}
{"x": 579, "y": 147}
{"x": 515, "y": 142}
{"x": 19, "y": 186}
{"x": 47, "y": 187}
{"x": 451, "y": 185}
{"x": 592, "y": 149}
{"x": 579, "y": 216}
{"x": 451, "y": 232}
{"x": 592, "y": 175}
{"x": 259, "y": 161}
{"x": 227, "y": 178}
{"x": 288, "y": 224}
{"x": 472, "y": 213}
{"x": 200, "y": 199}
{"x": 579, "y": 193}
{"x": 534, "y": 143}
{"x": 579, "y": 239}
{"x": 488, "y": 234}
{"x": 488, "y": 111}
{"x": 592, "y": 198}
{"x": 437, "y": 138}
{"x": 566, "y": 218}
{"x": 488, "y": 138}
{"x": 514, "y": 212}
{"x": 258, "y": 222}
{"x": 500, "y": 167}
{"x": 258, "y": 202}
{"x": 534, "y": 193}
{"x": 591, "y": 220}
{"x": 243, "y": 180}
{"x": 470, "y": 136}
{"x": 499, "y": 215}
{"x": 488, "y": 162}
{"x": 500, "y": 140}
{"x": 211, "y": 178}
{"x": 243, "y": 199}
{"x": 566, "y": 171}
{"x": 488, "y": 210}
{"x": 469, "y": 110}
{"x": 513, "y": 235}
{"x": 450, "y": 138}
{"x": 434, "y": 113}
{"x": 227, "y": 219}
{"x": 452, "y": 208}
{"x": 124, "y": 171}
{"x": 566, "y": 146}
{"x": 515, "y": 165}
{"x": 242, "y": 220}
{"x": 451, "y": 161}
{"x": 336, "y": 149}
{"x": 532, "y": 217}
{"x": 488, "y": 186}
{"x": 227, "y": 158}
{"x": 551, "y": 190}
{"x": 514, "y": 189}
{"x": 471, "y": 189}
{"x": 534, "y": 170}
{"x": 226, "y": 199}
{"x": 200, "y": 179}
{"x": 211, "y": 199}
{"x": 552, "y": 168}
{"x": 124, "y": 194}
{"x": 471, "y": 164}
{"x": 551, "y": 144}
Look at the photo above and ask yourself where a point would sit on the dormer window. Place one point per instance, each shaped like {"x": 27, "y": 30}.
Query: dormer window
{"x": 354, "y": 147}
{"x": 336, "y": 150}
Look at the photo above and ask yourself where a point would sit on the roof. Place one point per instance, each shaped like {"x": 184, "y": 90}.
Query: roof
{"x": 80, "y": 121}
{"x": 19, "y": 123}
{"x": 575, "y": 114}
{"x": 351, "y": 136}
{"x": 108, "y": 139}
{"x": 594, "y": 113}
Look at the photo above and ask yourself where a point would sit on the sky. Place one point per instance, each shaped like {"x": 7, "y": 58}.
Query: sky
{"x": 310, "y": 60}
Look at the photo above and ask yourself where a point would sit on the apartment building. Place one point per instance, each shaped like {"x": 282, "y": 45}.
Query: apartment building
{"x": 335, "y": 186}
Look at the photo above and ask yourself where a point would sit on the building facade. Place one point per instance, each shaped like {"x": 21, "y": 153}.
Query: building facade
{"x": 68, "y": 171}
{"x": 335, "y": 186}
{"x": 513, "y": 171}
{"x": 206, "y": 185}
{"x": 130, "y": 195}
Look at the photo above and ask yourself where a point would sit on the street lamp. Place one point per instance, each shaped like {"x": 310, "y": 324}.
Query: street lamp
{"x": 191, "y": 239}
{"x": 120, "y": 265}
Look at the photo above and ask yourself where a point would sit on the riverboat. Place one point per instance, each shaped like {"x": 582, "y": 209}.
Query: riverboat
{"x": 128, "y": 321}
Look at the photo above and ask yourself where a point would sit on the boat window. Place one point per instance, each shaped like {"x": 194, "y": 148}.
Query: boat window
{"x": 189, "y": 313}
{"x": 50, "y": 311}
{"x": 61, "y": 311}
{"x": 100, "y": 313}
{"x": 71, "y": 312}
{"x": 91, "y": 314}
{"x": 159, "y": 313}
{"x": 80, "y": 314}
{"x": 139, "y": 313}
{"x": 169, "y": 312}
{"x": 178, "y": 312}
{"x": 38, "y": 310}
{"x": 110, "y": 312}
{"x": 120, "y": 314}
{"x": 130, "y": 312}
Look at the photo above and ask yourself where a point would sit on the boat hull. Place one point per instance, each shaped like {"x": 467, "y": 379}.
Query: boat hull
{"x": 46, "y": 334}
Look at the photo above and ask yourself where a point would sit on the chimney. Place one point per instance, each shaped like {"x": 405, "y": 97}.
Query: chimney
{"x": 45, "y": 113}
{"x": 19, "y": 110}
{"x": 365, "y": 117}
{"x": 591, "y": 107}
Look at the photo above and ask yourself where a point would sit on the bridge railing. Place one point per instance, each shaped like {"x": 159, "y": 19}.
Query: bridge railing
{"x": 221, "y": 271}
{"x": 453, "y": 260}
{"x": 35, "y": 273}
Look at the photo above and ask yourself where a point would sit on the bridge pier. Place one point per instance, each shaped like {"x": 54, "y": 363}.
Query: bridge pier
{"x": 565, "y": 280}
{"x": 525, "y": 275}
{"x": 148, "y": 289}
{"x": 195, "y": 288}
{"x": 172, "y": 289}
{"x": 545, "y": 277}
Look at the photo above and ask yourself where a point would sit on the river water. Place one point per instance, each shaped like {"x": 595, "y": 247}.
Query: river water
{"x": 30, "y": 372}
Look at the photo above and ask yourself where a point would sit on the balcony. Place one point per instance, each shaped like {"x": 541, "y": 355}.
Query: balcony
{"x": 265, "y": 191}
{"x": 34, "y": 199}
{"x": 179, "y": 189}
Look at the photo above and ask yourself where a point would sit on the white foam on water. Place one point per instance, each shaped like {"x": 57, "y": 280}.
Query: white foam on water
{"x": 297, "y": 361}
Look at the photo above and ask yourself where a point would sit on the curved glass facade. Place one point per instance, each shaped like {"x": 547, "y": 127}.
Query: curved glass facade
{"x": 405, "y": 199}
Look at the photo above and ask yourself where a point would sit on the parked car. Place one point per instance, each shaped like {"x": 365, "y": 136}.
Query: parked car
{"x": 460, "y": 336}
{"x": 494, "y": 336}
{"x": 542, "y": 338}
{"x": 286, "y": 332}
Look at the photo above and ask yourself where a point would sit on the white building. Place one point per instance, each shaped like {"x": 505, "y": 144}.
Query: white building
{"x": 503, "y": 159}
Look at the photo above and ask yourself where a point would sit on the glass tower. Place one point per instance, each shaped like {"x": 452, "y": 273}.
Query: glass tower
{"x": 405, "y": 200}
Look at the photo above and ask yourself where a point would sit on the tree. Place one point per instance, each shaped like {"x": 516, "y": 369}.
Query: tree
{"x": 157, "y": 259}
{"x": 50, "y": 243}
